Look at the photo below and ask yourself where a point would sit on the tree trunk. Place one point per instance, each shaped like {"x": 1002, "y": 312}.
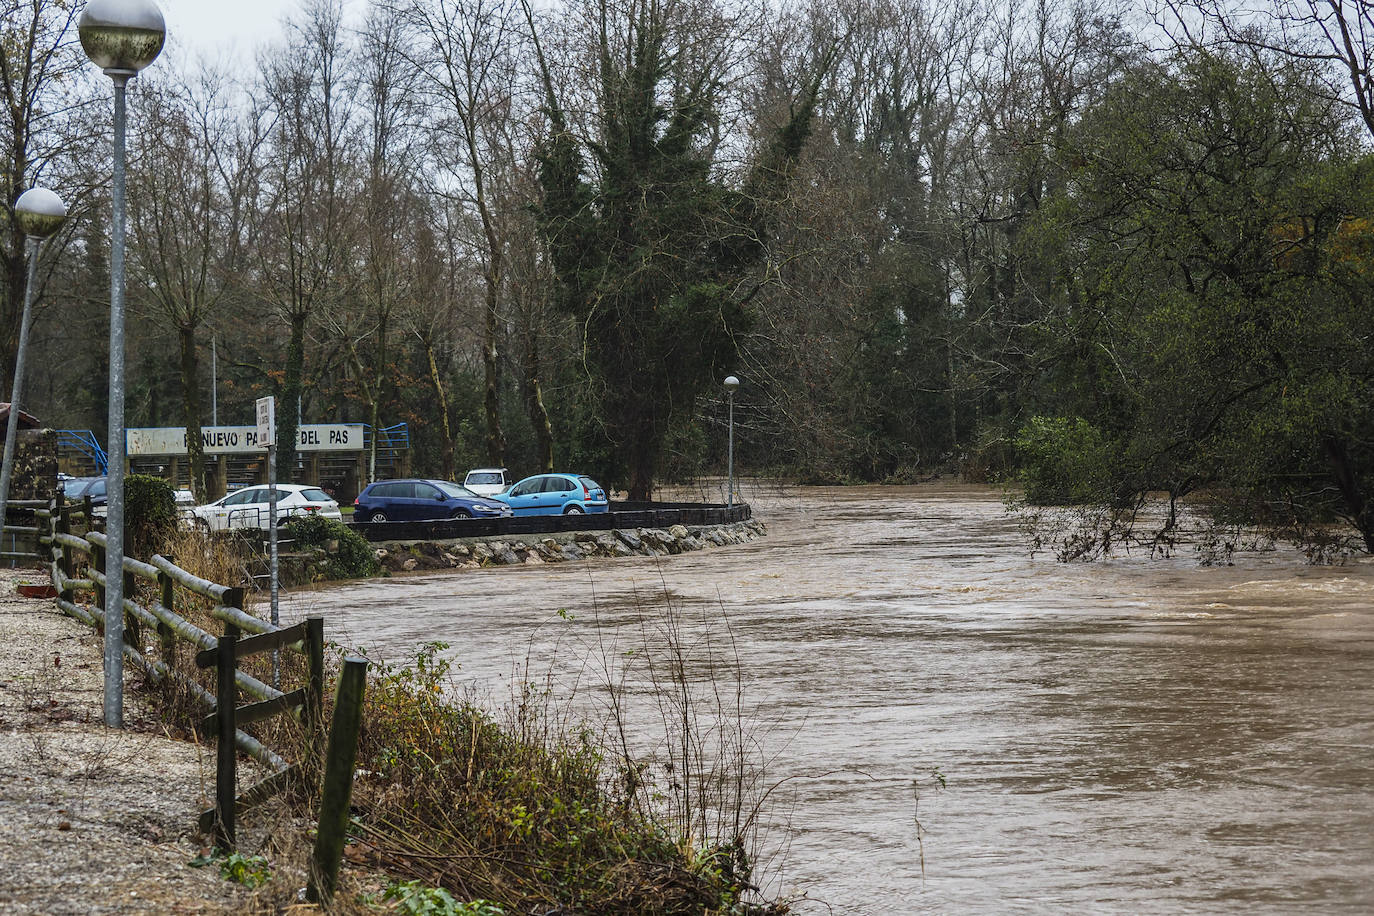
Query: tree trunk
{"x": 441, "y": 399}
{"x": 192, "y": 410}
{"x": 1347, "y": 480}
{"x": 496, "y": 439}
{"x": 290, "y": 393}
{"x": 534, "y": 405}
{"x": 642, "y": 459}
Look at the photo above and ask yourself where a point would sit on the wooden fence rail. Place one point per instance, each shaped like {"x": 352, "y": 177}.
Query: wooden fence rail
{"x": 175, "y": 586}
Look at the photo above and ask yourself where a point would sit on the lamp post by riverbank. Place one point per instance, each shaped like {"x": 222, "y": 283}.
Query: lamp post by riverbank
{"x": 39, "y": 213}
{"x": 121, "y": 37}
{"x": 731, "y": 383}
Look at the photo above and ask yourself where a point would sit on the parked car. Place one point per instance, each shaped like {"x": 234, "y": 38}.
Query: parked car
{"x": 77, "y": 489}
{"x": 487, "y": 481}
{"x": 423, "y": 500}
{"x": 249, "y": 507}
{"x": 556, "y": 494}
{"x": 74, "y": 489}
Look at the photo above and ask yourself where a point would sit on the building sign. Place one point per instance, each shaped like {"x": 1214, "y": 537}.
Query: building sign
{"x": 243, "y": 440}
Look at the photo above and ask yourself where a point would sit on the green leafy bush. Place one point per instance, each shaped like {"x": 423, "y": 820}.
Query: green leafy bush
{"x": 150, "y": 515}
{"x": 416, "y": 899}
{"x": 349, "y": 554}
{"x": 1064, "y": 461}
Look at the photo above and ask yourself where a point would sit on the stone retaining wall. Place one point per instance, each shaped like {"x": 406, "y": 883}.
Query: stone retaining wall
{"x": 472, "y": 553}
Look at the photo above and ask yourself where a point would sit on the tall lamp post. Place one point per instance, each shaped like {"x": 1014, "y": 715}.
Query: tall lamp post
{"x": 731, "y": 383}
{"x": 121, "y": 37}
{"x": 39, "y": 213}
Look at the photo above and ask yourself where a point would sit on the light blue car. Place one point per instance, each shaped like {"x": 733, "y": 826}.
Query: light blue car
{"x": 556, "y": 494}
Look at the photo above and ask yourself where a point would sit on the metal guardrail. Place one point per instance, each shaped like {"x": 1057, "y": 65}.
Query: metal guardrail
{"x": 622, "y": 516}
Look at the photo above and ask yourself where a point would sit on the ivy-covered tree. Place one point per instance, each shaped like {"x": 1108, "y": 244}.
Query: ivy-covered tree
{"x": 655, "y": 252}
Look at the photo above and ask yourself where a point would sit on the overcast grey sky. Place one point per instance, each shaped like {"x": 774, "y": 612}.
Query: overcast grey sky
{"x": 213, "y": 27}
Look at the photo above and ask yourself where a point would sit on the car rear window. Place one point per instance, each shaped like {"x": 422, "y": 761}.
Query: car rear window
{"x": 482, "y": 479}
{"x": 589, "y": 483}
{"x": 316, "y": 495}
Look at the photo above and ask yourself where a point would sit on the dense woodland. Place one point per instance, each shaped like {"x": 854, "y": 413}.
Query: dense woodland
{"x": 1112, "y": 250}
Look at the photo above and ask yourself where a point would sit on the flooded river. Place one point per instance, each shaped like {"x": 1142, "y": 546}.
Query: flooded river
{"x": 1128, "y": 736}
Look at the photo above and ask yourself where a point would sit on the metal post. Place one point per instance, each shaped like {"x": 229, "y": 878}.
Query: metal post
{"x": 114, "y": 480}
{"x": 338, "y": 781}
{"x": 730, "y": 460}
{"x": 272, "y": 540}
{"x": 13, "y": 428}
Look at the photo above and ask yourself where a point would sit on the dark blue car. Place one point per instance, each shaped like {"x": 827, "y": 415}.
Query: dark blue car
{"x": 422, "y": 500}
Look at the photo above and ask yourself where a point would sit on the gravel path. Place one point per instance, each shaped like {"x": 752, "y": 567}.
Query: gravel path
{"x": 92, "y": 820}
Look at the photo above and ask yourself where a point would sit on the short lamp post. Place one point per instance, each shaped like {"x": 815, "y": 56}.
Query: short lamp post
{"x": 731, "y": 383}
{"x": 121, "y": 37}
{"x": 39, "y": 213}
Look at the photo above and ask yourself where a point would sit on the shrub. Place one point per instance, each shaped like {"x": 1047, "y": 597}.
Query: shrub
{"x": 1064, "y": 461}
{"x": 349, "y": 554}
{"x": 150, "y": 515}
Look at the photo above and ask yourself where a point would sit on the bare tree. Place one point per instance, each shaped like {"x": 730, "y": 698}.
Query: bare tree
{"x": 390, "y": 211}
{"x": 465, "y": 48}
{"x": 1333, "y": 37}
{"x": 197, "y": 169}
{"x": 309, "y": 228}
{"x": 38, "y": 59}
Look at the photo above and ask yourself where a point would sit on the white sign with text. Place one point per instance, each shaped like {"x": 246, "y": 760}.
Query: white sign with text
{"x": 243, "y": 440}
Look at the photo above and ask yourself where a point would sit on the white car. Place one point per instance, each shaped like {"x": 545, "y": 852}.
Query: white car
{"x": 249, "y": 507}
{"x": 487, "y": 481}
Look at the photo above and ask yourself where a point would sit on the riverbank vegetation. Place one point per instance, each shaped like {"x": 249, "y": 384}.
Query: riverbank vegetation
{"x": 642, "y": 799}
{"x": 1067, "y": 244}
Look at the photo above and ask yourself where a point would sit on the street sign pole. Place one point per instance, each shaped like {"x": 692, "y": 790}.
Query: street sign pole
{"x": 267, "y": 432}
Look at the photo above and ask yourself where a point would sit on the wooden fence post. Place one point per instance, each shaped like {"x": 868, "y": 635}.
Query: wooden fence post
{"x": 314, "y": 706}
{"x": 226, "y": 698}
{"x": 133, "y": 630}
{"x": 166, "y": 637}
{"x": 233, "y": 598}
{"x": 62, "y": 524}
{"x": 338, "y": 781}
{"x": 97, "y": 567}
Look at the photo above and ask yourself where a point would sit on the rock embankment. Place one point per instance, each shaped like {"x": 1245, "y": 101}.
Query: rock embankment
{"x": 473, "y": 553}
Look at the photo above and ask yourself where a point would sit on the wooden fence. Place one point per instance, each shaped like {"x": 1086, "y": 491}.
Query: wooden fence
{"x": 67, "y": 553}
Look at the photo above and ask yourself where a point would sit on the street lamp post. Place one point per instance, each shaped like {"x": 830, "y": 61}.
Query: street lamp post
{"x": 121, "y": 37}
{"x": 39, "y": 213}
{"x": 731, "y": 383}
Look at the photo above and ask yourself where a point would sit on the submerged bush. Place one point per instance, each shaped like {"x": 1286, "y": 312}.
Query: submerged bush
{"x": 1063, "y": 461}
{"x": 349, "y": 554}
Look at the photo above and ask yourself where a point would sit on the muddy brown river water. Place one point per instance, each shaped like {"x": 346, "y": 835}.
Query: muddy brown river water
{"x": 1136, "y": 735}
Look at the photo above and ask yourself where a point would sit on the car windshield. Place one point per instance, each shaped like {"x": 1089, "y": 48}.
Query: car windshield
{"x": 75, "y": 489}
{"x": 483, "y": 478}
{"x": 452, "y": 489}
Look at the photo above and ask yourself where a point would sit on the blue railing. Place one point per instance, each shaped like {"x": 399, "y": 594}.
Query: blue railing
{"x": 389, "y": 438}
{"x": 84, "y": 441}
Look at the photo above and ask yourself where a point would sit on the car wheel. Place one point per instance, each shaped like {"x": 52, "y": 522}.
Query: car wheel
{"x": 461, "y": 513}
{"x": 203, "y": 526}
{"x": 377, "y": 516}
{"x": 573, "y": 510}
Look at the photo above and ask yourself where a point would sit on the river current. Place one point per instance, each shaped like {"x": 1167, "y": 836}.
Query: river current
{"x": 960, "y": 727}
